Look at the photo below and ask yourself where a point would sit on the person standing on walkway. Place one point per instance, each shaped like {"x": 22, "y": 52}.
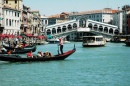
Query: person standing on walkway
{"x": 61, "y": 45}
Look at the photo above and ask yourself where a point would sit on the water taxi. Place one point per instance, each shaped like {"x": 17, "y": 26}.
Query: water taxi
{"x": 93, "y": 41}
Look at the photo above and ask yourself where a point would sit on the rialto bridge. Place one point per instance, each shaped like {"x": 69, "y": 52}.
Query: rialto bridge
{"x": 80, "y": 27}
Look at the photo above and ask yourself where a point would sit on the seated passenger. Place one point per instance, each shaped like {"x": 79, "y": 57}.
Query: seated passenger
{"x": 3, "y": 49}
{"x": 9, "y": 52}
{"x": 42, "y": 54}
{"x": 30, "y": 54}
{"x": 39, "y": 54}
{"x": 48, "y": 54}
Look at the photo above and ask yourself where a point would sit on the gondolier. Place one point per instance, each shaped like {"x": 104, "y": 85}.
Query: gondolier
{"x": 61, "y": 45}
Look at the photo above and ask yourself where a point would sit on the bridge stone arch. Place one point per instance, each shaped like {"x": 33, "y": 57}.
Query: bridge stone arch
{"x": 53, "y": 30}
{"x": 69, "y": 27}
{"x": 64, "y": 28}
{"x": 59, "y": 30}
{"x": 75, "y": 26}
{"x": 110, "y": 31}
{"x": 95, "y": 27}
{"x": 116, "y": 32}
{"x": 100, "y": 28}
{"x": 105, "y": 29}
{"x": 90, "y": 25}
{"x": 48, "y": 32}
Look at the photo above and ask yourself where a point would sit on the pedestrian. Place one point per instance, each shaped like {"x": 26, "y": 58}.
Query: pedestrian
{"x": 61, "y": 45}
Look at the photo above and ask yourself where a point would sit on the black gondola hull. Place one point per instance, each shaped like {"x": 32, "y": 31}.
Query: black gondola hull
{"x": 17, "y": 58}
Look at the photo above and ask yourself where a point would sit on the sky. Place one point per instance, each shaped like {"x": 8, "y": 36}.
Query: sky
{"x": 52, "y": 7}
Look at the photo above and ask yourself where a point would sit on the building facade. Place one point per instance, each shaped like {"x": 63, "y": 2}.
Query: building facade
{"x": 11, "y": 20}
{"x": 36, "y": 22}
{"x": 15, "y": 4}
{"x": 118, "y": 21}
{"x": 128, "y": 22}
{"x": 1, "y": 16}
{"x": 43, "y": 24}
{"x": 24, "y": 20}
{"x": 105, "y": 15}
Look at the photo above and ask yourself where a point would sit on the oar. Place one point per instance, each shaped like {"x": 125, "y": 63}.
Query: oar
{"x": 58, "y": 49}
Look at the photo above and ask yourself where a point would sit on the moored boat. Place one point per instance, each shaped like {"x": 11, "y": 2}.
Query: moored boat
{"x": 53, "y": 41}
{"x": 18, "y": 58}
{"x": 21, "y": 51}
{"x": 127, "y": 41}
{"x": 93, "y": 41}
{"x": 118, "y": 39}
{"x": 12, "y": 48}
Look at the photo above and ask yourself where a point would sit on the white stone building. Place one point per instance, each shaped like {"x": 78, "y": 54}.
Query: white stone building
{"x": 118, "y": 20}
{"x": 11, "y": 20}
{"x": 43, "y": 23}
{"x": 105, "y": 15}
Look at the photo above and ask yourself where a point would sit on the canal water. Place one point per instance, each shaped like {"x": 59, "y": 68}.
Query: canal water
{"x": 97, "y": 66}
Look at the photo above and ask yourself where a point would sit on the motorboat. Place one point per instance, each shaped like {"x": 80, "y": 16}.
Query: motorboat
{"x": 53, "y": 41}
{"x": 93, "y": 41}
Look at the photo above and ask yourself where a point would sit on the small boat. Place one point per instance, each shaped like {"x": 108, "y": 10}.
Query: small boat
{"x": 118, "y": 39}
{"x": 18, "y": 58}
{"x": 33, "y": 46}
{"x": 93, "y": 41}
{"x": 53, "y": 41}
{"x": 22, "y": 51}
{"x": 127, "y": 41}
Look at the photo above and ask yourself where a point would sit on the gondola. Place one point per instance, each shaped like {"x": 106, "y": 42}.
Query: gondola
{"x": 22, "y": 51}
{"x": 26, "y": 47}
{"x": 18, "y": 58}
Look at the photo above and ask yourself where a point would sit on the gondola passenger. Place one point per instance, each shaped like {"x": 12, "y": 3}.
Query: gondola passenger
{"x": 39, "y": 54}
{"x": 48, "y": 54}
{"x": 30, "y": 54}
{"x": 9, "y": 52}
{"x": 3, "y": 49}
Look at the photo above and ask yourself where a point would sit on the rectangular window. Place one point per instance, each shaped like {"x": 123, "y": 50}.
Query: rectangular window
{"x": 9, "y": 22}
{"x": 6, "y": 1}
{"x": 15, "y": 1}
{"x": 15, "y": 14}
{"x": 18, "y": 14}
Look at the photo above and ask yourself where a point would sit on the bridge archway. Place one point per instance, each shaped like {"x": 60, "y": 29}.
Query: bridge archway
{"x": 105, "y": 29}
{"x": 110, "y": 31}
{"x": 82, "y": 22}
{"x": 95, "y": 27}
{"x": 100, "y": 28}
{"x": 116, "y": 32}
{"x": 74, "y": 25}
{"x": 53, "y": 31}
{"x": 48, "y": 32}
{"x": 69, "y": 27}
{"x": 63, "y": 28}
{"x": 90, "y": 26}
{"x": 59, "y": 30}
